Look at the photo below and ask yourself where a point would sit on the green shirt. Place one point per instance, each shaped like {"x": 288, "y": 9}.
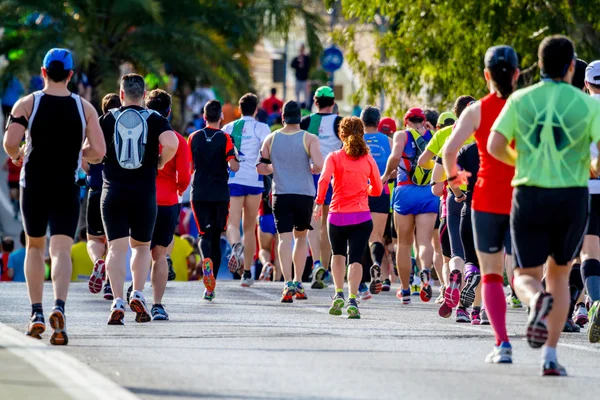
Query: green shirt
{"x": 436, "y": 143}
{"x": 552, "y": 124}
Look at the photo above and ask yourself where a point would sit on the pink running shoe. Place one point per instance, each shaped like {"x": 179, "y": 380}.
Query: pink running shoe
{"x": 97, "y": 277}
{"x": 452, "y": 294}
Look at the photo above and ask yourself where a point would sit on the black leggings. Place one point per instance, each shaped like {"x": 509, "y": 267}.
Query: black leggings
{"x": 350, "y": 240}
{"x": 466, "y": 234}
{"x": 210, "y": 247}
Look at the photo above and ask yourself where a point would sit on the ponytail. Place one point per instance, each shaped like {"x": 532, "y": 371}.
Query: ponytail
{"x": 502, "y": 79}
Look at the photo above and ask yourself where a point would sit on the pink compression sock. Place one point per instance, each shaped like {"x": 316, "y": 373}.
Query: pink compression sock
{"x": 495, "y": 305}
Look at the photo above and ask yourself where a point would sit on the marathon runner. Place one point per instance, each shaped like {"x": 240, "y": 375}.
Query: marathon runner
{"x": 171, "y": 182}
{"x": 552, "y": 124}
{"x": 59, "y": 129}
{"x": 267, "y": 234}
{"x": 128, "y": 201}
{"x": 492, "y": 195}
{"x": 287, "y": 154}
{"x": 245, "y": 186}
{"x": 325, "y": 125}
{"x": 355, "y": 178}
{"x": 213, "y": 154}
{"x": 96, "y": 245}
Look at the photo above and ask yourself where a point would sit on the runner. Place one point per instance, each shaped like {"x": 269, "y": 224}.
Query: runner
{"x": 59, "y": 129}
{"x": 380, "y": 147}
{"x": 415, "y": 207}
{"x": 287, "y": 154}
{"x": 171, "y": 182}
{"x": 267, "y": 234}
{"x": 552, "y": 170}
{"x": 14, "y": 175}
{"x": 590, "y": 252}
{"x": 96, "y": 245}
{"x": 213, "y": 154}
{"x": 349, "y": 221}
{"x": 245, "y": 186}
{"x": 128, "y": 201}
{"x": 325, "y": 125}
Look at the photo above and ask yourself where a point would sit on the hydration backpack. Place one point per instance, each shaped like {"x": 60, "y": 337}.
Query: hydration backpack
{"x": 131, "y": 136}
{"x": 418, "y": 175}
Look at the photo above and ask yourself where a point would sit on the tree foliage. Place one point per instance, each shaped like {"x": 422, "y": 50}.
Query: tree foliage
{"x": 434, "y": 49}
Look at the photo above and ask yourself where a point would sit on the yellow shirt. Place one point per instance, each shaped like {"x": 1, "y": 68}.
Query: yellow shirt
{"x": 181, "y": 251}
{"x": 82, "y": 264}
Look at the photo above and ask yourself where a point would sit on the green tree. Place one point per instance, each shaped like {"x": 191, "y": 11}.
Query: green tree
{"x": 434, "y": 49}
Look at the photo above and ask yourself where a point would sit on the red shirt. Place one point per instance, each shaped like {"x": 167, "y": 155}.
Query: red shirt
{"x": 174, "y": 178}
{"x": 268, "y": 104}
{"x": 14, "y": 172}
{"x": 493, "y": 191}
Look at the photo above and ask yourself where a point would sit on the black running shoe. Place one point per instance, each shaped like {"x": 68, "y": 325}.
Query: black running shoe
{"x": 537, "y": 332}
{"x": 172, "y": 274}
{"x": 551, "y": 368}
{"x": 571, "y": 327}
{"x": 37, "y": 326}
{"x": 108, "y": 294}
{"x": 467, "y": 295}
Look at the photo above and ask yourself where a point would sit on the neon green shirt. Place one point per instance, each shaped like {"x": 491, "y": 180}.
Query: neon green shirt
{"x": 553, "y": 124}
{"x": 436, "y": 143}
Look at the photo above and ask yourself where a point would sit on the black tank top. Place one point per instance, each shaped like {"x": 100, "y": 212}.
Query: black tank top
{"x": 53, "y": 141}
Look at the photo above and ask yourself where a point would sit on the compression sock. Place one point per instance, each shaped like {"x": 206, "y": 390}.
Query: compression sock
{"x": 575, "y": 287}
{"x": 377, "y": 253}
{"x": 37, "y": 308}
{"x": 59, "y": 304}
{"x": 495, "y": 305}
{"x": 549, "y": 353}
{"x": 590, "y": 273}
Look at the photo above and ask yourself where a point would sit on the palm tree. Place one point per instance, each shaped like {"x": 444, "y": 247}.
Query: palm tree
{"x": 202, "y": 40}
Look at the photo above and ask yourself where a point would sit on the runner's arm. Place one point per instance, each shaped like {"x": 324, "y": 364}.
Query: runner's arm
{"x": 314, "y": 151}
{"x": 466, "y": 125}
{"x": 324, "y": 180}
{"x": 94, "y": 147}
{"x": 15, "y": 131}
{"x": 438, "y": 178}
{"x": 230, "y": 154}
{"x": 265, "y": 153}
{"x": 169, "y": 142}
{"x": 425, "y": 160}
{"x": 499, "y": 148}
{"x": 396, "y": 156}
{"x": 182, "y": 166}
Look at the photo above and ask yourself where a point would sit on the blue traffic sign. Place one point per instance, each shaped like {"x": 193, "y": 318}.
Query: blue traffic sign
{"x": 332, "y": 59}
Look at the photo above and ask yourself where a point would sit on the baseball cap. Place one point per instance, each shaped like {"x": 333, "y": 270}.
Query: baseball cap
{"x": 501, "y": 55}
{"x": 446, "y": 116}
{"x": 60, "y": 55}
{"x": 579, "y": 76}
{"x": 592, "y": 73}
{"x": 387, "y": 126}
{"x": 414, "y": 112}
{"x": 325, "y": 91}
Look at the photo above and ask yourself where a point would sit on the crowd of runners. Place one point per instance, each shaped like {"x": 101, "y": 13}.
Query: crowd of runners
{"x": 504, "y": 188}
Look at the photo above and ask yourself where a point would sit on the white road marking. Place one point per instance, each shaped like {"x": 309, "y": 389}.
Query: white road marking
{"x": 72, "y": 376}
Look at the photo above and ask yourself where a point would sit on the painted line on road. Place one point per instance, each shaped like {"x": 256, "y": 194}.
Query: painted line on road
{"x": 72, "y": 376}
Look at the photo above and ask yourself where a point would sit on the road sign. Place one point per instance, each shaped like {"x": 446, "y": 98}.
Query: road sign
{"x": 332, "y": 59}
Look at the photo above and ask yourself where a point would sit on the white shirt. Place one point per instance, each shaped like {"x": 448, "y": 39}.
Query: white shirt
{"x": 594, "y": 184}
{"x": 253, "y": 135}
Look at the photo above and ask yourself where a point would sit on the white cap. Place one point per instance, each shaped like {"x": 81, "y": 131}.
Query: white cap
{"x": 592, "y": 72}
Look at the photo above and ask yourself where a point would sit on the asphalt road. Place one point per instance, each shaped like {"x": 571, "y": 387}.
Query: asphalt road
{"x": 247, "y": 345}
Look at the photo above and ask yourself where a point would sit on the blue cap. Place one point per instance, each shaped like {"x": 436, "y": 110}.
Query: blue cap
{"x": 62, "y": 55}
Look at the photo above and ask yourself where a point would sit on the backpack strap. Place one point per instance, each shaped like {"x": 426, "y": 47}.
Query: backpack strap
{"x": 315, "y": 124}
{"x": 236, "y": 134}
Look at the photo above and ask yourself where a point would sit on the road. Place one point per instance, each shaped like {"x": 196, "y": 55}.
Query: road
{"x": 246, "y": 345}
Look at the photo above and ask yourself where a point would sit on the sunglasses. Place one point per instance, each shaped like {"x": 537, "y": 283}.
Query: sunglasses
{"x": 416, "y": 120}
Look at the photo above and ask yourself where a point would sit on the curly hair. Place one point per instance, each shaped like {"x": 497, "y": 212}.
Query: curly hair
{"x": 352, "y": 132}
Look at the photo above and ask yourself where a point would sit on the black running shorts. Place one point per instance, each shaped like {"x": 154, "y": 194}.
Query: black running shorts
{"x": 93, "y": 214}
{"x": 445, "y": 238}
{"x": 128, "y": 211}
{"x": 491, "y": 232}
{"x": 210, "y": 216}
{"x": 167, "y": 218}
{"x": 594, "y": 218}
{"x": 380, "y": 204}
{"x": 390, "y": 229}
{"x": 350, "y": 241}
{"x": 54, "y": 206}
{"x": 292, "y": 212}
{"x": 548, "y": 222}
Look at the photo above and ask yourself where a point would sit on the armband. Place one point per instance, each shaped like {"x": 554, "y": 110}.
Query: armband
{"x": 264, "y": 161}
{"x": 452, "y": 178}
{"x": 17, "y": 120}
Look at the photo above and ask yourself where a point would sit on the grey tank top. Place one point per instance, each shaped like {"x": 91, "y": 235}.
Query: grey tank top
{"x": 291, "y": 164}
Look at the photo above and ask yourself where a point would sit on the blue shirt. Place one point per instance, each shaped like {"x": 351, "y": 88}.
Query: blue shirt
{"x": 379, "y": 144}
{"x": 14, "y": 90}
{"x": 16, "y": 262}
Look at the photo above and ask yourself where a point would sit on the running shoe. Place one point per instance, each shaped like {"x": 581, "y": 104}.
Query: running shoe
{"x": 452, "y": 292}
{"x": 317, "y": 277}
{"x": 337, "y": 304}
{"x": 484, "y": 318}
{"x": 328, "y": 278}
{"x": 209, "y": 296}
{"x": 58, "y": 323}
{"x": 440, "y": 298}
{"x": 172, "y": 275}
{"x": 108, "y": 294}
{"x": 129, "y": 290}
{"x": 236, "y": 259}
{"x": 467, "y": 295}
{"x": 386, "y": 285}
{"x": 207, "y": 275}
{"x": 289, "y": 290}
{"x": 513, "y": 301}
{"x": 594, "y": 318}
{"x": 139, "y": 307}
{"x": 426, "y": 292}
{"x": 266, "y": 272}
{"x": 363, "y": 292}
{"x": 537, "y": 332}
{"x": 445, "y": 311}
{"x": 571, "y": 327}
{"x": 300, "y": 293}
{"x": 415, "y": 290}
{"x": 352, "y": 309}
{"x": 158, "y": 313}
{"x": 500, "y": 354}
{"x": 403, "y": 295}
{"x": 97, "y": 276}
{"x": 580, "y": 316}
{"x": 551, "y": 368}
{"x": 247, "y": 280}
{"x": 375, "y": 286}
{"x": 117, "y": 313}
{"x": 475, "y": 317}
{"x": 462, "y": 316}
{"x": 36, "y": 326}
